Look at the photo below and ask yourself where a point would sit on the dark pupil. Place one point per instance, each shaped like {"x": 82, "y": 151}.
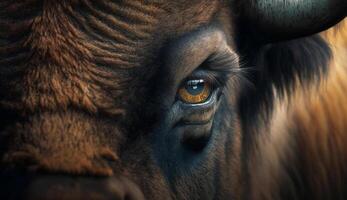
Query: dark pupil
{"x": 195, "y": 87}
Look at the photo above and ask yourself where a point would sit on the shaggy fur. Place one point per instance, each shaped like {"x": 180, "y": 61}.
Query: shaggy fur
{"x": 320, "y": 124}
{"x": 304, "y": 155}
{"x": 86, "y": 99}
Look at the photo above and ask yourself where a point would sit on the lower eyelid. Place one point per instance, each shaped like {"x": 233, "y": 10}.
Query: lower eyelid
{"x": 199, "y": 118}
{"x": 200, "y": 114}
{"x": 196, "y": 123}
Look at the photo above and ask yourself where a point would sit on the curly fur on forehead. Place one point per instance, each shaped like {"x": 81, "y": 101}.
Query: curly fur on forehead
{"x": 91, "y": 50}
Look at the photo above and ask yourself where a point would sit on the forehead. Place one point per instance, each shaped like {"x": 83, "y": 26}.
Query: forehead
{"x": 130, "y": 34}
{"x": 135, "y": 29}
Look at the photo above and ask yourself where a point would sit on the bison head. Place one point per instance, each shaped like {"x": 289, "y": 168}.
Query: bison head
{"x": 135, "y": 99}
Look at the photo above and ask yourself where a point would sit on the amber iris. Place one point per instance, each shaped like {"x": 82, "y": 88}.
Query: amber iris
{"x": 194, "y": 91}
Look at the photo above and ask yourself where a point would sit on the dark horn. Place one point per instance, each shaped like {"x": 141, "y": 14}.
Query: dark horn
{"x": 287, "y": 19}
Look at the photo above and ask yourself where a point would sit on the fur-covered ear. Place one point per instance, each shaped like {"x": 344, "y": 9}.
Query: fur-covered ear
{"x": 276, "y": 20}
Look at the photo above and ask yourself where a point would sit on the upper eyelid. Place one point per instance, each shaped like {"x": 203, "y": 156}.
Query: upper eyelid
{"x": 182, "y": 57}
{"x": 212, "y": 77}
{"x": 224, "y": 57}
{"x": 187, "y": 53}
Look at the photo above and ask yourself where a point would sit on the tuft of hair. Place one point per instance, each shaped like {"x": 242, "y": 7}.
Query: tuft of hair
{"x": 320, "y": 124}
{"x": 276, "y": 68}
{"x": 303, "y": 153}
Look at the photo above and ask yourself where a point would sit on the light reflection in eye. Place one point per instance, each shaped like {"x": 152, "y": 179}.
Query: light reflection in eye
{"x": 194, "y": 91}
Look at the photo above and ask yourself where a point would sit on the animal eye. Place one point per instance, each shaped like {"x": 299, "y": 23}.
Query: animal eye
{"x": 194, "y": 91}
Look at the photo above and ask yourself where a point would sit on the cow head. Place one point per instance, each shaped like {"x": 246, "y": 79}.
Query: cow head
{"x": 134, "y": 99}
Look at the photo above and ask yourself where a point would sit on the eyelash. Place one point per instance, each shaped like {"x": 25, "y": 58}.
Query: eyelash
{"x": 211, "y": 77}
{"x": 215, "y": 71}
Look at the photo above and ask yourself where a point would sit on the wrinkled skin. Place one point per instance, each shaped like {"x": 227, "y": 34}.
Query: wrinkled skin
{"x": 89, "y": 107}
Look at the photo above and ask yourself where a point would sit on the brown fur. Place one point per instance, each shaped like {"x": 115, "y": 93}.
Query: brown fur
{"x": 305, "y": 147}
{"x": 73, "y": 74}
{"x": 320, "y": 120}
{"x": 66, "y": 68}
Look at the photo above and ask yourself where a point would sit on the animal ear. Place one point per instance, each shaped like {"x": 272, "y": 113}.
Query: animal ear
{"x": 275, "y": 20}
